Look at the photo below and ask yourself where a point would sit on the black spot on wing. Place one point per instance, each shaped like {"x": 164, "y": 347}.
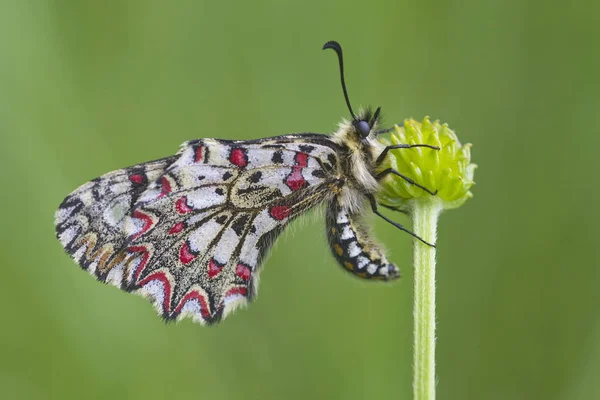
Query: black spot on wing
{"x": 277, "y": 157}
{"x": 306, "y": 148}
{"x": 239, "y": 224}
{"x": 318, "y": 173}
{"x": 332, "y": 159}
{"x": 255, "y": 177}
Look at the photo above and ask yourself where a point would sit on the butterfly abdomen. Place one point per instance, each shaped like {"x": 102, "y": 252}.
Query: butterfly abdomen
{"x": 353, "y": 248}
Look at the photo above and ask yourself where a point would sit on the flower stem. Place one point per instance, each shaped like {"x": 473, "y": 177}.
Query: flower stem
{"x": 425, "y": 213}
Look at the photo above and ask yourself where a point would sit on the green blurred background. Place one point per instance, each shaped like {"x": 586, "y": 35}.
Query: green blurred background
{"x": 87, "y": 87}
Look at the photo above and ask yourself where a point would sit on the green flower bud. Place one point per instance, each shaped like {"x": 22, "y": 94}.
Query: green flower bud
{"x": 447, "y": 170}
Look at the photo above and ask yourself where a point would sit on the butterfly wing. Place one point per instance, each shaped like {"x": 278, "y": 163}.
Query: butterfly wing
{"x": 96, "y": 213}
{"x": 193, "y": 239}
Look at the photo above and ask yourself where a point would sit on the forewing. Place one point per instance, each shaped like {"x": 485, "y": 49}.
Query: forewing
{"x": 90, "y": 222}
{"x": 195, "y": 237}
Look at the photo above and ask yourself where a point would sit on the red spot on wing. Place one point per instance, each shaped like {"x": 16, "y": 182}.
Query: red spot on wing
{"x": 301, "y": 159}
{"x": 237, "y": 290}
{"x": 198, "y": 154}
{"x": 181, "y": 205}
{"x": 214, "y": 268}
{"x": 242, "y": 271}
{"x": 147, "y": 223}
{"x": 162, "y": 278}
{"x": 295, "y": 180}
{"x": 185, "y": 255}
{"x": 136, "y": 178}
{"x": 279, "y": 212}
{"x": 178, "y": 227}
{"x": 238, "y": 157}
{"x": 165, "y": 187}
{"x": 145, "y": 256}
{"x": 194, "y": 295}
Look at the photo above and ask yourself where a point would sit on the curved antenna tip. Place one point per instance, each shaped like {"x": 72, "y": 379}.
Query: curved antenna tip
{"x": 332, "y": 44}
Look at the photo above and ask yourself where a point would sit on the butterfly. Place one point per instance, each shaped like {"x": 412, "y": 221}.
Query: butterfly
{"x": 191, "y": 231}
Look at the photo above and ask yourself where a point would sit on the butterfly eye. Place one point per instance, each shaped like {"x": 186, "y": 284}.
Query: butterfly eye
{"x": 363, "y": 128}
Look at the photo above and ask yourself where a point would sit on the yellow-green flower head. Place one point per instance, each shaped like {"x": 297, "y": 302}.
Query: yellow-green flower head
{"x": 447, "y": 170}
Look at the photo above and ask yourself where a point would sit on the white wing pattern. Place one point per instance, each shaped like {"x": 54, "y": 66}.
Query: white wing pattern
{"x": 190, "y": 231}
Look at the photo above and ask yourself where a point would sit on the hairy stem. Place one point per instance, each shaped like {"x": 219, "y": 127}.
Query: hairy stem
{"x": 425, "y": 215}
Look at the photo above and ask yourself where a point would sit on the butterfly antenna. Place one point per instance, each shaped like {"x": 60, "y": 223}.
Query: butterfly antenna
{"x": 375, "y": 117}
{"x": 335, "y": 46}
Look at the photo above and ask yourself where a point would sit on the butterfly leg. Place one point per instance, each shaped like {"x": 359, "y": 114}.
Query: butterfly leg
{"x": 383, "y": 131}
{"x": 401, "y": 146}
{"x": 394, "y": 209}
{"x": 385, "y": 172}
{"x": 352, "y": 247}
{"x": 397, "y": 225}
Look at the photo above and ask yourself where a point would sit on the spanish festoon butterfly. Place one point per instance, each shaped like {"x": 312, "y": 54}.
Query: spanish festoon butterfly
{"x": 190, "y": 231}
